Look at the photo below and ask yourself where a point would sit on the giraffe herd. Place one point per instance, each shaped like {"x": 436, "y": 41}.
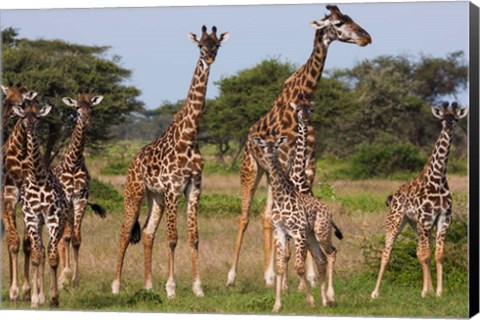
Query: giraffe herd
{"x": 280, "y": 144}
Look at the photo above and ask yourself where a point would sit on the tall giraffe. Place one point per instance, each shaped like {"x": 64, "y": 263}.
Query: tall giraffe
{"x": 73, "y": 175}
{"x": 43, "y": 202}
{"x": 166, "y": 168}
{"x": 303, "y": 218}
{"x": 281, "y": 119}
{"x": 425, "y": 202}
{"x": 13, "y": 157}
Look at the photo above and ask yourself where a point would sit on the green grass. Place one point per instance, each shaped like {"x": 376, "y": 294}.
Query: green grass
{"x": 250, "y": 297}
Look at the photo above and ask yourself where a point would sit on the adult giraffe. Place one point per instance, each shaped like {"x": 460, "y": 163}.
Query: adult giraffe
{"x": 168, "y": 167}
{"x": 282, "y": 121}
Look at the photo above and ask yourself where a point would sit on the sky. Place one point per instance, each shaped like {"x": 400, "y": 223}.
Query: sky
{"x": 153, "y": 43}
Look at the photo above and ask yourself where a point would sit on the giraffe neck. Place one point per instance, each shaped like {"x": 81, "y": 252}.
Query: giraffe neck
{"x": 308, "y": 75}
{"x": 280, "y": 183}
{"x": 35, "y": 168}
{"x": 297, "y": 171}
{"x": 73, "y": 156}
{"x": 15, "y": 145}
{"x": 188, "y": 118}
{"x": 436, "y": 168}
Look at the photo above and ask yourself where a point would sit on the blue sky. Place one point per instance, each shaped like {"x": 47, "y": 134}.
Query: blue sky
{"x": 153, "y": 41}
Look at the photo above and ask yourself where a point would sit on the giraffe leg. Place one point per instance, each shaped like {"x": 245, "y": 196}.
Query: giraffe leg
{"x": 155, "y": 213}
{"x": 55, "y": 230}
{"x": 249, "y": 178}
{"x": 26, "y": 266}
{"x": 395, "y": 222}
{"x": 442, "y": 227}
{"x": 288, "y": 254}
{"x": 193, "y": 195}
{"x": 134, "y": 190}
{"x": 79, "y": 207}
{"x": 300, "y": 256}
{"x": 171, "y": 204}
{"x": 64, "y": 253}
{"x": 268, "y": 241}
{"x": 32, "y": 225}
{"x": 423, "y": 255}
{"x": 10, "y": 196}
{"x": 321, "y": 262}
{"x": 41, "y": 273}
{"x": 280, "y": 243}
{"x": 323, "y": 234}
{"x": 310, "y": 271}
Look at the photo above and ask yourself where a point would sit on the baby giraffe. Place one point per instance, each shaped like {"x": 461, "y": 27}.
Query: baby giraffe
{"x": 425, "y": 202}
{"x": 301, "y": 217}
{"x": 43, "y": 202}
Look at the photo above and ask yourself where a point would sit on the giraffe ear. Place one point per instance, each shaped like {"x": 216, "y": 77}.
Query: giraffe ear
{"x": 224, "y": 37}
{"x": 5, "y": 90}
{"x": 320, "y": 24}
{"x": 69, "y": 102}
{"x": 96, "y": 100}
{"x": 193, "y": 37}
{"x": 45, "y": 110}
{"x": 30, "y": 95}
{"x": 437, "y": 112}
{"x": 461, "y": 113}
{"x": 17, "y": 110}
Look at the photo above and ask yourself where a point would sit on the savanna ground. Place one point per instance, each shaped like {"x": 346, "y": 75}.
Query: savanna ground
{"x": 358, "y": 207}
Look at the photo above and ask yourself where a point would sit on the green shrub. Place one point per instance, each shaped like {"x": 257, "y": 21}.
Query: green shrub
{"x": 105, "y": 195}
{"x": 116, "y": 167}
{"x": 404, "y": 268}
{"x": 384, "y": 157}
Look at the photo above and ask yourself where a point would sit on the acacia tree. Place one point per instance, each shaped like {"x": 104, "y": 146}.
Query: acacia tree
{"x": 55, "y": 69}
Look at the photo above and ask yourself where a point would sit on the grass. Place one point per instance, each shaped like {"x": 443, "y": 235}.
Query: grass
{"x": 358, "y": 208}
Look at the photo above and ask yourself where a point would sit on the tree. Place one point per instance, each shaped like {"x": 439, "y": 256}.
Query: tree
{"x": 243, "y": 99}
{"x": 55, "y": 69}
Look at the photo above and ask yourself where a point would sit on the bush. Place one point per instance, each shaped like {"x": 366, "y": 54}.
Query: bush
{"x": 105, "y": 195}
{"x": 116, "y": 168}
{"x": 384, "y": 158}
{"x": 404, "y": 268}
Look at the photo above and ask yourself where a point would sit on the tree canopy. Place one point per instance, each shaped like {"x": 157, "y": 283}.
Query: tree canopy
{"x": 55, "y": 69}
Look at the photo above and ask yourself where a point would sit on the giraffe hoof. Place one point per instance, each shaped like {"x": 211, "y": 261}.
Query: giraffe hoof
{"x": 277, "y": 307}
{"x": 14, "y": 293}
{"x": 331, "y": 303}
{"x": 231, "y": 278}
{"x": 375, "y": 295}
{"x": 116, "y": 287}
{"x": 54, "y": 302}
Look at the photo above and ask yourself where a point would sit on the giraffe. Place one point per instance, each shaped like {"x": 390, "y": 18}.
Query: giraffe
{"x": 166, "y": 168}
{"x": 73, "y": 175}
{"x": 296, "y": 174}
{"x": 335, "y": 26}
{"x": 425, "y": 202}
{"x": 303, "y": 218}
{"x": 13, "y": 156}
{"x": 43, "y": 202}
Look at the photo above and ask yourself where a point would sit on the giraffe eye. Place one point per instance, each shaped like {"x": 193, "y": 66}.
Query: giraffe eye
{"x": 338, "y": 24}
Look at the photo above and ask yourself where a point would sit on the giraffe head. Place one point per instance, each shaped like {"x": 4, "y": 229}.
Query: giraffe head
{"x": 303, "y": 107}
{"x": 338, "y": 26}
{"x": 270, "y": 145}
{"x": 449, "y": 114}
{"x": 14, "y": 96}
{"x": 208, "y": 43}
{"x": 84, "y": 105}
{"x": 31, "y": 113}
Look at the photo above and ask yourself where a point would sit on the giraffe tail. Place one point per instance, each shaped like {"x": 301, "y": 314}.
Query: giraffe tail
{"x": 99, "y": 211}
{"x": 136, "y": 233}
{"x": 338, "y": 232}
{"x": 389, "y": 199}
